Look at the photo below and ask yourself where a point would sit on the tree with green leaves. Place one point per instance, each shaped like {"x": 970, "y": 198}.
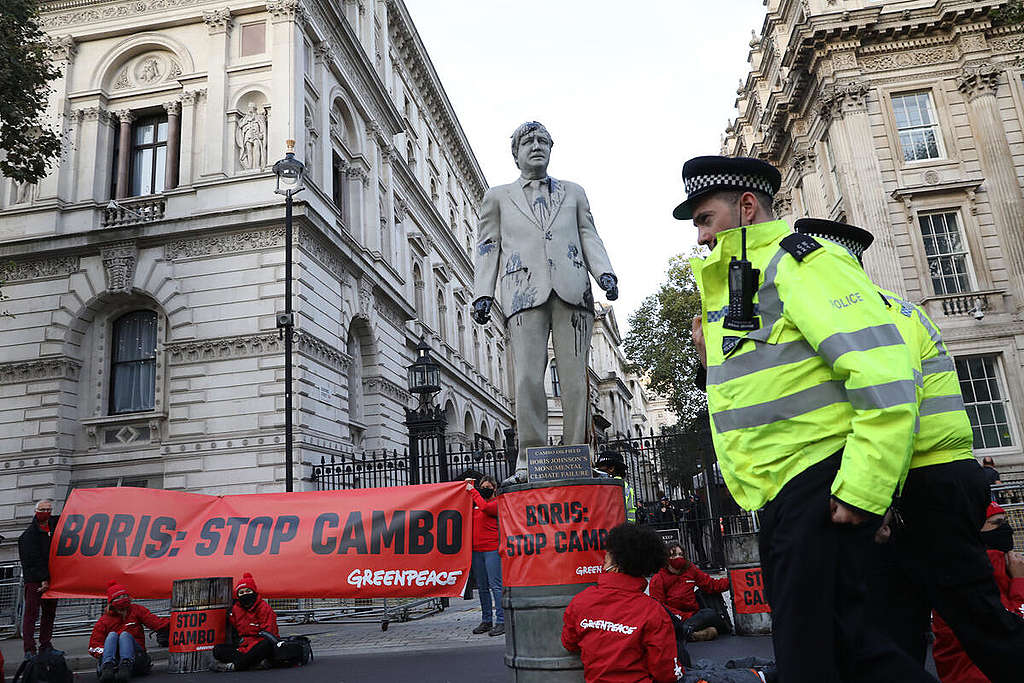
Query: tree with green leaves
{"x": 1010, "y": 13}
{"x": 660, "y": 346}
{"x": 26, "y": 68}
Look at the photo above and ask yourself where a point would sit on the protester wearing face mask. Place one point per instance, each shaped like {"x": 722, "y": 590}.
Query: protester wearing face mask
{"x": 673, "y": 586}
{"x": 34, "y": 553}
{"x": 951, "y": 661}
{"x": 256, "y": 624}
{"x": 118, "y": 640}
{"x": 486, "y": 562}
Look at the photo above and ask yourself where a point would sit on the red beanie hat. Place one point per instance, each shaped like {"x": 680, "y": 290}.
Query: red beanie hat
{"x": 994, "y": 509}
{"x": 246, "y": 582}
{"x": 116, "y": 593}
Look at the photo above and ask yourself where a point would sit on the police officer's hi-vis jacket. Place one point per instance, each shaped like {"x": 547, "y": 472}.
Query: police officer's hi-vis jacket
{"x": 826, "y": 370}
{"x": 945, "y": 432}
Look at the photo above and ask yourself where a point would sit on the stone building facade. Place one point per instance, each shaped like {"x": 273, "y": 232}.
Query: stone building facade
{"x": 143, "y": 348}
{"x": 905, "y": 118}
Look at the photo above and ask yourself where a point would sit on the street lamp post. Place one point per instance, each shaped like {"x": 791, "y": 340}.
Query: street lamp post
{"x": 289, "y": 172}
{"x": 426, "y": 423}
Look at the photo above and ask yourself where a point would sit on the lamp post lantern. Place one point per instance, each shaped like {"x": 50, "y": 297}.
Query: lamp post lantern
{"x": 426, "y": 423}
{"x": 290, "y": 172}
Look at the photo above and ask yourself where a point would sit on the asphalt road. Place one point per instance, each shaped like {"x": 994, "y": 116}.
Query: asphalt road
{"x": 478, "y": 663}
{"x": 447, "y": 665}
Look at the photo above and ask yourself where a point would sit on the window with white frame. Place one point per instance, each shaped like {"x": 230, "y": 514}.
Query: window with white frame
{"x": 133, "y": 363}
{"x": 944, "y": 246}
{"x": 917, "y": 126}
{"x": 985, "y": 400}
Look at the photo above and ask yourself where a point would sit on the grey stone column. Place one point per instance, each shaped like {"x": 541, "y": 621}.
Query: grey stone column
{"x": 124, "y": 141}
{"x": 173, "y": 144}
{"x": 861, "y": 177}
{"x": 979, "y": 83}
{"x": 811, "y": 190}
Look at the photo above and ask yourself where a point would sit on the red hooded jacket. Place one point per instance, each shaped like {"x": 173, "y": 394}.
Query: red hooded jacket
{"x": 249, "y": 622}
{"x": 621, "y": 634}
{"x": 137, "y": 617}
{"x": 951, "y": 662}
{"x": 675, "y": 591}
{"x": 485, "y": 522}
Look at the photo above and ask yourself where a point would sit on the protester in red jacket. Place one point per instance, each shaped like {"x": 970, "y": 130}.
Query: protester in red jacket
{"x": 118, "y": 640}
{"x": 620, "y": 633}
{"x": 256, "y": 624}
{"x": 674, "y": 586}
{"x": 951, "y": 662}
{"x": 486, "y": 562}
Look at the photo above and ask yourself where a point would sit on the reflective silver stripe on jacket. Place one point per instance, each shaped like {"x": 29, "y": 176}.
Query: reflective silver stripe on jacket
{"x": 784, "y": 408}
{"x": 760, "y": 358}
{"x": 942, "y": 404}
{"x": 881, "y": 396}
{"x": 865, "y": 339}
{"x": 768, "y": 301}
{"x": 941, "y": 363}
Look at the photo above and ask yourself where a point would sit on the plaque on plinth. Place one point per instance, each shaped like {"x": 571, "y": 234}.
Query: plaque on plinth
{"x": 558, "y": 463}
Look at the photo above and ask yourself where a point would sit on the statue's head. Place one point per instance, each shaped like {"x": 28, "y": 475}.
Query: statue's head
{"x": 531, "y": 147}
{"x": 252, "y": 108}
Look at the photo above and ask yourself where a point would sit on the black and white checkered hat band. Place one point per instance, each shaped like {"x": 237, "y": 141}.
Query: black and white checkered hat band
{"x": 697, "y": 183}
{"x": 852, "y": 246}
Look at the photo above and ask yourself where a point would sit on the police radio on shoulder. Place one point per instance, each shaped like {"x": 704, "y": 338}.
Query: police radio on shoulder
{"x": 742, "y": 286}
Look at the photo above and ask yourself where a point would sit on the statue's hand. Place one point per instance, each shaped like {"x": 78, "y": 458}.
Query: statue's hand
{"x": 610, "y": 284}
{"x": 482, "y": 309}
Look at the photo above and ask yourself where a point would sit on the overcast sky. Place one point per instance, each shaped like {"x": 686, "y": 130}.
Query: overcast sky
{"x": 629, "y": 91}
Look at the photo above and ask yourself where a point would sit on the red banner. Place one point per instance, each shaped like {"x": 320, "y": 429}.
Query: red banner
{"x": 748, "y": 591}
{"x": 199, "y": 630}
{"x": 556, "y": 535}
{"x": 405, "y": 541}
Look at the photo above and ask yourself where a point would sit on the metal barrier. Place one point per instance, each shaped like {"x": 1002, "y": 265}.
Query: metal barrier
{"x": 1010, "y": 497}
{"x": 76, "y": 616}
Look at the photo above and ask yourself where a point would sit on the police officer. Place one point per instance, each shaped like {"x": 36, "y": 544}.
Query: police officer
{"x": 936, "y": 556}
{"x": 612, "y": 464}
{"x": 812, "y": 402}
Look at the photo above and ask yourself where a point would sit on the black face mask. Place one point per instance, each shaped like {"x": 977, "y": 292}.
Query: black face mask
{"x": 486, "y": 493}
{"x": 247, "y": 600}
{"x": 1000, "y": 538}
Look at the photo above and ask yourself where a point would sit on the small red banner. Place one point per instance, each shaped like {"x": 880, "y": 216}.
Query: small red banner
{"x": 197, "y": 631}
{"x": 556, "y": 535}
{"x": 748, "y": 591}
{"x": 399, "y": 542}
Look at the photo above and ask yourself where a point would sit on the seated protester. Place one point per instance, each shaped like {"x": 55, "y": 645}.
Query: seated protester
{"x": 624, "y": 635}
{"x": 118, "y": 640}
{"x": 620, "y": 633}
{"x": 951, "y": 662}
{"x": 256, "y": 624}
{"x": 673, "y": 586}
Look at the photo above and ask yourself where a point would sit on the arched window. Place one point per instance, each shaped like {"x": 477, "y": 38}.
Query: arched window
{"x": 476, "y": 350}
{"x": 442, "y": 314}
{"x": 462, "y": 334}
{"x": 418, "y": 285}
{"x": 556, "y": 387}
{"x": 410, "y": 155}
{"x": 133, "y": 363}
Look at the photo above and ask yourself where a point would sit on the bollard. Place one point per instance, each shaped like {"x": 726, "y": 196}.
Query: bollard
{"x": 199, "y": 610}
{"x": 533, "y": 613}
{"x": 752, "y": 615}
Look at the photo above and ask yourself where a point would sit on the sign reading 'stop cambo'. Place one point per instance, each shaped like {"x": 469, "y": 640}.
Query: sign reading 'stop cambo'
{"x": 557, "y": 535}
{"x": 405, "y": 541}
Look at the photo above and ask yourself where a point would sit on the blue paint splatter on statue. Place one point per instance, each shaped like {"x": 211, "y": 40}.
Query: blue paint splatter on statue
{"x": 487, "y": 247}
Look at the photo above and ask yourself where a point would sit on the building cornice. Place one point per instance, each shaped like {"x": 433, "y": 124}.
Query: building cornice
{"x": 408, "y": 44}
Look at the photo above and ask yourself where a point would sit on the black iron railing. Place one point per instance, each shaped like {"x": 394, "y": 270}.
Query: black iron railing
{"x": 378, "y": 469}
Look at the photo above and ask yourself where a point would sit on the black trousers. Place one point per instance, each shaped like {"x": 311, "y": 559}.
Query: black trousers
{"x": 814, "y": 578}
{"x": 244, "y": 660}
{"x": 937, "y": 560}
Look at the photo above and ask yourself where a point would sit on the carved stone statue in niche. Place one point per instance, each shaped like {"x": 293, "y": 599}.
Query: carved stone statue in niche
{"x": 22, "y": 192}
{"x": 250, "y": 137}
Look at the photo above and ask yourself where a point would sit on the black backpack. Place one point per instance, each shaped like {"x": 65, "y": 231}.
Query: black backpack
{"x": 46, "y": 667}
{"x": 293, "y": 651}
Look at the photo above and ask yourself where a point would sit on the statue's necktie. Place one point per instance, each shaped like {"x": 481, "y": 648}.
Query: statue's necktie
{"x": 540, "y": 205}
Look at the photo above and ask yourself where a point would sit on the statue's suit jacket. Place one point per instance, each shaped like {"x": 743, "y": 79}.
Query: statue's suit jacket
{"x": 531, "y": 259}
